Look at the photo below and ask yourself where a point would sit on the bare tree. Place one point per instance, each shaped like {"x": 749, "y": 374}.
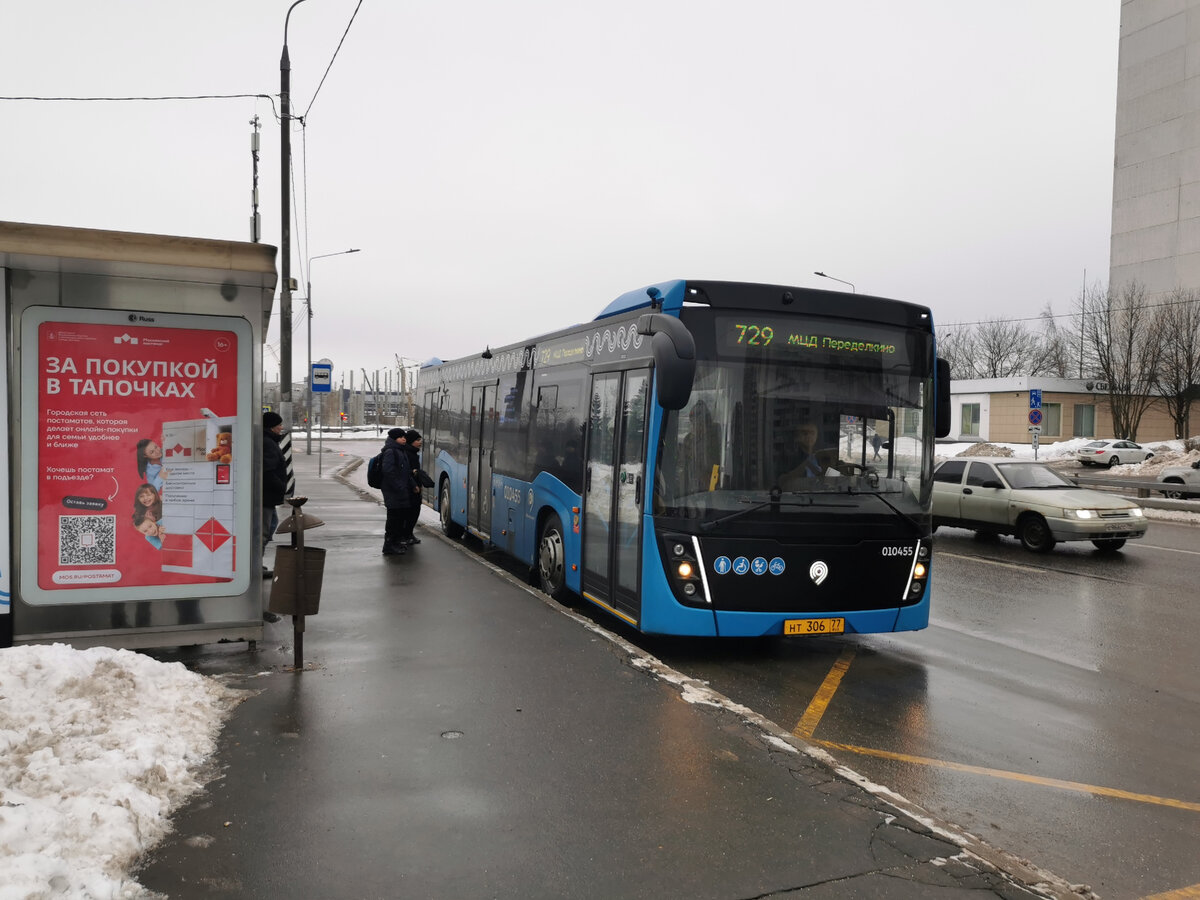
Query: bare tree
{"x": 1179, "y": 369}
{"x": 1122, "y": 333}
{"x": 1003, "y": 349}
{"x": 1050, "y": 350}
{"x": 956, "y": 345}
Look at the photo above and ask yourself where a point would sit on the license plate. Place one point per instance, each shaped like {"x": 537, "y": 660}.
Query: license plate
{"x": 814, "y": 626}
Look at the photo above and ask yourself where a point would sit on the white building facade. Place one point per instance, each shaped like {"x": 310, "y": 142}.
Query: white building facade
{"x": 1156, "y": 177}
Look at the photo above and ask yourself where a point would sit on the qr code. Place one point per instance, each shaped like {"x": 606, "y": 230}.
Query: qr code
{"x": 87, "y": 540}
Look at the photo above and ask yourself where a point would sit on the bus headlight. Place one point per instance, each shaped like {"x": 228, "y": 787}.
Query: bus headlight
{"x": 681, "y": 561}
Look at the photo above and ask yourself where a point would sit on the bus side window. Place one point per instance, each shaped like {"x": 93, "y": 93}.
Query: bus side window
{"x": 545, "y": 453}
{"x": 568, "y": 426}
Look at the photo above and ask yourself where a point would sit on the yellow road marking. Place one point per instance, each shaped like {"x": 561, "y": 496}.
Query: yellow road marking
{"x": 1018, "y": 776}
{"x": 1181, "y": 894}
{"x": 816, "y": 709}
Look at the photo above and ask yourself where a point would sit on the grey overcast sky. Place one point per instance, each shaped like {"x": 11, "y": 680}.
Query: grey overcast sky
{"x": 509, "y": 168}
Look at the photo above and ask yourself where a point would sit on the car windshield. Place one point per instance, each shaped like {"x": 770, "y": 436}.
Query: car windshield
{"x": 1096, "y": 444}
{"x": 1023, "y": 476}
{"x": 786, "y": 426}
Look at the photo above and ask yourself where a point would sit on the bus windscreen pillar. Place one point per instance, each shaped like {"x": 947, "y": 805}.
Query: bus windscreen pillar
{"x": 134, "y": 410}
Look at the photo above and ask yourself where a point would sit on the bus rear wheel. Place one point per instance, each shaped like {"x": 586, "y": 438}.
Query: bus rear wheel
{"x": 450, "y": 528}
{"x": 551, "y": 560}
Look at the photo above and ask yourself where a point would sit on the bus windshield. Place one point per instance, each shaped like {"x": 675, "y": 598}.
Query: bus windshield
{"x": 796, "y": 419}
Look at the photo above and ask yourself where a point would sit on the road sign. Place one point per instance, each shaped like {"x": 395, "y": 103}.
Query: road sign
{"x": 1035, "y": 429}
{"x": 1035, "y": 398}
{"x": 322, "y": 378}
{"x": 1035, "y": 417}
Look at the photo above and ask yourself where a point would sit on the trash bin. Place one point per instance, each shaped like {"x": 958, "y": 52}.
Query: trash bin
{"x": 284, "y": 588}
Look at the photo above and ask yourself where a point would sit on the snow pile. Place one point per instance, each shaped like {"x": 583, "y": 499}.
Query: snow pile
{"x": 97, "y": 747}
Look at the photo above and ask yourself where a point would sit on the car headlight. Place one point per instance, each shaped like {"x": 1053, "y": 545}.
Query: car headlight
{"x": 1080, "y": 513}
{"x": 1137, "y": 511}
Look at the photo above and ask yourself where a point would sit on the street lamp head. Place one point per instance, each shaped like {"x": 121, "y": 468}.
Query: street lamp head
{"x": 839, "y": 280}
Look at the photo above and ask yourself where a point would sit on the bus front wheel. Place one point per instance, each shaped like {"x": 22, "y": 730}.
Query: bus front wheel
{"x": 551, "y": 563}
{"x": 450, "y": 528}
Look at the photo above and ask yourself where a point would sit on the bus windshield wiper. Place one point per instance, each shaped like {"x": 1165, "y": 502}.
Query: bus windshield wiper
{"x": 888, "y": 503}
{"x": 775, "y": 501}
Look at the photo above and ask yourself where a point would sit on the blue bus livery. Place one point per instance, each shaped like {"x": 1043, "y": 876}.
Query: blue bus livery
{"x": 705, "y": 458}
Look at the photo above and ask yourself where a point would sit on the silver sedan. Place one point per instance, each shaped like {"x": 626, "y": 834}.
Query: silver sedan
{"x": 999, "y": 495}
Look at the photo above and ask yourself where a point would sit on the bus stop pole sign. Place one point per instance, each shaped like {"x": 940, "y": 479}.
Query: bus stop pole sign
{"x": 322, "y": 378}
{"x": 1035, "y": 417}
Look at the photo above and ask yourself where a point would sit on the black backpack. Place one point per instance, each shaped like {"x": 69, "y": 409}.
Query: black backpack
{"x": 375, "y": 471}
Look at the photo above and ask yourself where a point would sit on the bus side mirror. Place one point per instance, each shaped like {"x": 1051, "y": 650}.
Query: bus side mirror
{"x": 941, "y": 411}
{"x": 674, "y": 358}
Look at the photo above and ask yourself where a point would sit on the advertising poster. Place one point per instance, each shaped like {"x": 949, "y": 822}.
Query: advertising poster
{"x": 140, "y": 463}
{"x": 5, "y": 595}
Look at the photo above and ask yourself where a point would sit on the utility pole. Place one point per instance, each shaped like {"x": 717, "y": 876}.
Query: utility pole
{"x": 285, "y": 235}
{"x": 255, "y": 219}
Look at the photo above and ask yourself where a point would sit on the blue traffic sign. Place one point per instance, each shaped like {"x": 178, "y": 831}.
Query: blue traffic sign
{"x": 322, "y": 378}
{"x": 1035, "y": 398}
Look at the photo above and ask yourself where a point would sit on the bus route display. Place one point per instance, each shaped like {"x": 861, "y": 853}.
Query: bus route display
{"x": 779, "y": 337}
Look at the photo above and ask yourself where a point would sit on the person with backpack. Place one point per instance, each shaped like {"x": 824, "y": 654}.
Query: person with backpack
{"x": 400, "y": 492}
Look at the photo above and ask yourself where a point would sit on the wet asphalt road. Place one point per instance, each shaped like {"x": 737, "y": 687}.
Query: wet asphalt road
{"x": 1052, "y": 708}
{"x": 1073, "y": 666}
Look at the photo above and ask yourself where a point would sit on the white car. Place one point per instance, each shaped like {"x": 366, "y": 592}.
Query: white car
{"x": 1001, "y": 495}
{"x": 1181, "y": 477}
{"x": 1112, "y": 453}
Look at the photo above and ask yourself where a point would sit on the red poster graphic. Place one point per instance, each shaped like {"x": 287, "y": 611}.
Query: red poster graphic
{"x": 137, "y": 434}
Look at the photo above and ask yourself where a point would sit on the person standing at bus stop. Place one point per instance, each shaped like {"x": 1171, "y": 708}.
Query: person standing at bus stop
{"x": 274, "y": 487}
{"x": 400, "y": 491}
{"x": 412, "y": 447}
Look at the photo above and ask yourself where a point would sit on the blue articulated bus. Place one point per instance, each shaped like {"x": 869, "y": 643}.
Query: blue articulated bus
{"x": 705, "y": 458}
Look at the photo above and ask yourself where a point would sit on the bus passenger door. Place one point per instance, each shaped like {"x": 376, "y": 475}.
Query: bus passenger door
{"x": 479, "y": 461}
{"x": 614, "y": 490}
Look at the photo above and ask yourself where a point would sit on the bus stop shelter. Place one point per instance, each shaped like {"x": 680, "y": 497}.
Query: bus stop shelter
{"x": 132, "y": 392}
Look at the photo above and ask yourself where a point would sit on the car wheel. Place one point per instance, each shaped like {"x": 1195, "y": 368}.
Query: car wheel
{"x": 1174, "y": 493}
{"x": 551, "y": 560}
{"x": 450, "y": 528}
{"x": 1035, "y": 534}
{"x": 1114, "y": 461}
{"x": 1111, "y": 545}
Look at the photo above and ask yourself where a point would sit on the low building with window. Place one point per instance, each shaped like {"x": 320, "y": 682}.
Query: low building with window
{"x": 997, "y": 409}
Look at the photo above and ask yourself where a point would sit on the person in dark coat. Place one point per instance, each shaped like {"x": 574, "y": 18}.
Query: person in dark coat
{"x": 399, "y": 491}
{"x": 274, "y": 481}
{"x": 412, "y": 447}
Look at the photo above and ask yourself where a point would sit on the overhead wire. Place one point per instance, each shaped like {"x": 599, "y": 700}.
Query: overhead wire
{"x": 270, "y": 97}
{"x": 332, "y": 58}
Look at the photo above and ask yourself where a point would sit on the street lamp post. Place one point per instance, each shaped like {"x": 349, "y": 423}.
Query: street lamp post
{"x": 831, "y": 278}
{"x": 285, "y": 233}
{"x": 308, "y": 288}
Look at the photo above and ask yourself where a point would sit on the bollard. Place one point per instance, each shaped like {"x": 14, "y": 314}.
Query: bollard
{"x": 296, "y": 590}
